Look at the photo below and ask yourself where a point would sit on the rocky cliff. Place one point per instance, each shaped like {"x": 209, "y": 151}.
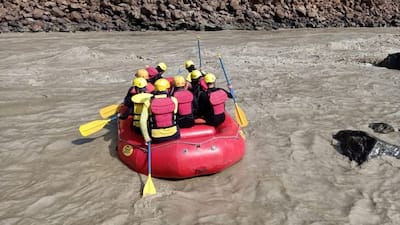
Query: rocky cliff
{"x": 134, "y": 15}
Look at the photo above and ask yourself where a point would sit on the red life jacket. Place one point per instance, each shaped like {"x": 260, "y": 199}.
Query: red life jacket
{"x": 152, "y": 71}
{"x": 217, "y": 100}
{"x": 132, "y": 90}
{"x": 203, "y": 84}
{"x": 150, "y": 87}
{"x": 185, "y": 99}
{"x": 170, "y": 80}
{"x": 162, "y": 113}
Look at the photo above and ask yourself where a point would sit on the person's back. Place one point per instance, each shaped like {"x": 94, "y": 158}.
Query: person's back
{"x": 160, "y": 111}
{"x": 185, "y": 99}
{"x": 213, "y": 101}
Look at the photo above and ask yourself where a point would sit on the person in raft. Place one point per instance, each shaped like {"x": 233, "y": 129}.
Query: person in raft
{"x": 138, "y": 100}
{"x": 190, "y": 67}
{"x": 145, "y": 74}
{"x": 156, "y": 73}
{"x": 134, "y": 89}
{"x": 212, "y": 102}
{"x": 186, "y": 103}
{"x": 196, "y": 87}
{"x": 160, "y": 113}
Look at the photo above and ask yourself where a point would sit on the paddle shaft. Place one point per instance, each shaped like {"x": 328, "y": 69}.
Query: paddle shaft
{"x": 228, "y": 82}
{"x": 198, "y": 48}
{"x": 149, "y": 158}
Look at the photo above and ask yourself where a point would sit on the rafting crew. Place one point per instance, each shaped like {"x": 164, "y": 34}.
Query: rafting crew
{"x": 158, "y": 120}
{"x": 158, "y": 115}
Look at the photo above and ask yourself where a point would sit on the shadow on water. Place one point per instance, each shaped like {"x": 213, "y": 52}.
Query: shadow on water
{"x": 82, "y": 141}
{"x": 141, "y": 183}
{"x": 110, "y": 135}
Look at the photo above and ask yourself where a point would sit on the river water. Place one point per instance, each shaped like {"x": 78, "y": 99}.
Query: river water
{"x": 297, "y": 88}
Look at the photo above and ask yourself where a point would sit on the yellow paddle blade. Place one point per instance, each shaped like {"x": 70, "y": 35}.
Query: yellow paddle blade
{"x": 92, "y": 127}
{"x": 108, "y": 111}
{"x": 240, "y": 116}
{"x": 149, "y": 188}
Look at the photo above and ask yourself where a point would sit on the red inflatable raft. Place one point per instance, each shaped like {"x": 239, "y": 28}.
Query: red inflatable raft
{"x": 201, "y": 150}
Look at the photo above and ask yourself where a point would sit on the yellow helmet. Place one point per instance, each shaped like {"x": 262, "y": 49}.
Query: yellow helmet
{"x": 142, "y": 73}
{"x": 195, "y": 74}
{"x": 179, "y": 81}
{"x": 139, "y": 82}
{"x": 189, "y": 63}
{"x": 162, "y": 66}
{"x": 210, "y": 78}
{"x": 162, "y": 84}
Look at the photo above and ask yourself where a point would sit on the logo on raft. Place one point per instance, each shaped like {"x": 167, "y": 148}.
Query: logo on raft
{"x": 127, "y": 150}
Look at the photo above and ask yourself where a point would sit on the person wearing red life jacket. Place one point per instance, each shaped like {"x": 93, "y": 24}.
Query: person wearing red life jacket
{"x": 139, "y": 85}
{"x": 196, "y": 80}
{"x": 127, "y": 104}
{"x": 190, "y": 67}
{"x": 212, "y": 102}
{"x": 156, "y": 73}
{"x": 138, "y": 100}
{"x": 145, "y": 74}
{"x": 160, "y": 113}
{"x": 185, "y": 117}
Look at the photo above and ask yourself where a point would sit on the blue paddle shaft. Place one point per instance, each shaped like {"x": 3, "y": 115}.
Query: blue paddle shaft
{"x": 198, "y": 48}
{"x": 227, "y": 80}
{"x": 149, "y": 157}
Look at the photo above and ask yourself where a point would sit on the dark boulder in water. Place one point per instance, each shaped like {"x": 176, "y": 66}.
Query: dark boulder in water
{"x": 382, "y": 128}
{"x": 360, "y": 146}
{"x": 392, "y": 61}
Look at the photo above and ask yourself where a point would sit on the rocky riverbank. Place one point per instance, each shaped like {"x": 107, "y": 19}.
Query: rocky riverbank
{"x": 125, "y": 15}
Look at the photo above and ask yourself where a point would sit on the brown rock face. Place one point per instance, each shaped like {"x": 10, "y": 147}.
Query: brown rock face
{"x": 121, "y": 15}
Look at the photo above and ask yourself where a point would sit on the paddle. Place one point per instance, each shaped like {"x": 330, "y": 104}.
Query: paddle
{"x": 108, "y": 111}
{"x": 94, "y": 126}
{"x": 198, "y": 48}
{"x": 149, "y": 188}
{"x": 239, "y": 114}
